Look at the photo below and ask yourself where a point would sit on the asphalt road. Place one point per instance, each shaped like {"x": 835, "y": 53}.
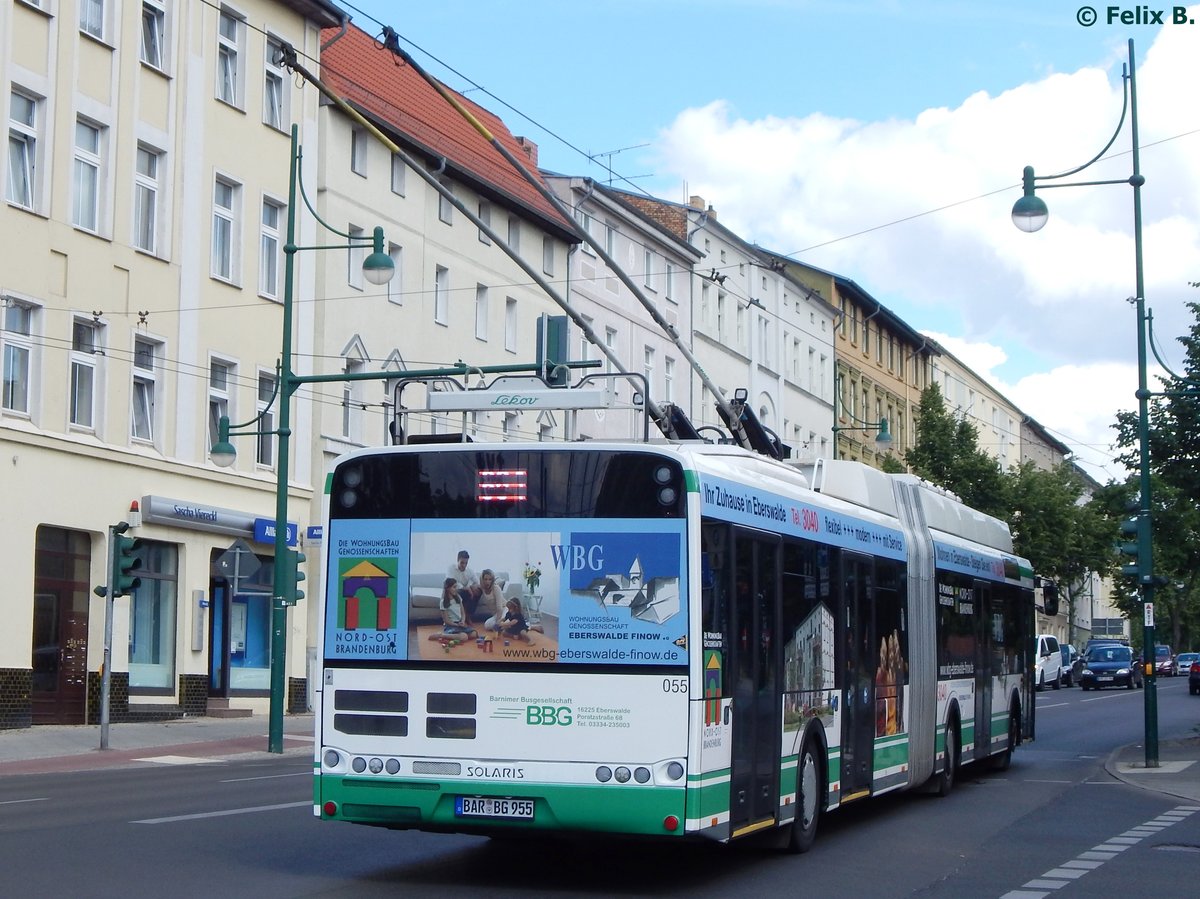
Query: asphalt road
{"x": 245, "y": 828}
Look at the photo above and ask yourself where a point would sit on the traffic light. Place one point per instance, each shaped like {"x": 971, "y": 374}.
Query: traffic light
{"x": 1050, "y": 598}
{"x": 292, "y": 576}
{"x": 125, "y": 562}
{"x": 1129, "y": 531}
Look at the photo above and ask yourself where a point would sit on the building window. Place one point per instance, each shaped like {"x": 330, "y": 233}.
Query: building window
{"x": 275, "y": 95}
{"x": 610, "y": 239}
{"x": 230, "y": 30}
{"x": 224, "y": 229}
{"x": 668, "y": 380}
{"x": 764, "y": 341}
{"x": 85, "y": 346}
{"x": 720, "y": 334}
{"x": 547, "y": 254}
{"x": 270, "y": 249}
{"x": 152, "y": 612}
{"x": 22, "y": 149}
{"x": 154, "y": 18}
{"x": 586, "y": 224}
{"x": 398, "y": 170}
{"x": 91, "y": 18}
{"x": 514, "y": 233}
{"x": 397, "y": 253}
{"x": 610, "y": 343}
{"x": 585, "y": 345}
{"x": 510, "y": 324}
{"x": 481, "y": 312}
{"x": 265, "y": 451}
{"x": 441, "y": 294}
{"x": 358, "y": 151}
{"x": 669, "y": 287}
{"x": 86, "y": 212}
{"x": 739, "y": 321}
{"x": 356, "y": 253}
{"x": 648, "y": 368}
{"x": 649, "y": 261}
{"x": 445, "y": 208}
{"x": 144, "y": 384}
{"x": 485, "y": 216}
{"x": 145, "y": 199}
{"x": 220, "y": 377}
{"x": 17, "y": 338}
{"x": 352, "y": 410}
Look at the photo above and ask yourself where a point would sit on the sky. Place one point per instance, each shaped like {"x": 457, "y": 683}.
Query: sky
{"x": 884, "y": 140}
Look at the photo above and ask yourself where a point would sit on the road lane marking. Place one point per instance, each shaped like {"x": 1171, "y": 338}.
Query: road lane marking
{"x": 1073, "y": 869}
{"x": 225, "y": 813}
{"x": 18, "y": 801}
{"x": 238, "y": 780}
{"x": 176, "y": 760}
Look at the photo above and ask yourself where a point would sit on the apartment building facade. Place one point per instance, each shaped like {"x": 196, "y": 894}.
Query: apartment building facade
{"x": 140, "y": 300}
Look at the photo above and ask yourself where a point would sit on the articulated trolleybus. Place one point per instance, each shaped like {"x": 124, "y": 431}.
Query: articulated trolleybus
{"x": 679, "y": 640}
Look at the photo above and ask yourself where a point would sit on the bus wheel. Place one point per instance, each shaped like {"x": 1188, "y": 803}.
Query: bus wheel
{"x": 945, "y": 779}
{"x": 808, "y": 799}
{"x": 1003, "y": 760}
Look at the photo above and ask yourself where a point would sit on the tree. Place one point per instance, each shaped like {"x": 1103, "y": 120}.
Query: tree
{"x": 1173, "y": 419}
{"x": 946, "y": 451}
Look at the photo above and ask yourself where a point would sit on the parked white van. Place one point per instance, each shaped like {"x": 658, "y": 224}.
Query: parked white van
{"x": 1049, "y": 662}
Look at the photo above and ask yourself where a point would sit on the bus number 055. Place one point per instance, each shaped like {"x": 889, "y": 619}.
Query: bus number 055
{"x": 674, "y": 684}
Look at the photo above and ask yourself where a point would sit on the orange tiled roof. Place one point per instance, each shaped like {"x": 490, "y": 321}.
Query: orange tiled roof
{"x": 392, "y": 92}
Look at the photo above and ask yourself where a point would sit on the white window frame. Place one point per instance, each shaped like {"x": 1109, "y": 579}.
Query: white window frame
{"x": 18, "y": 327}
{"x": 154, "y": 32}
{"x": 352, "y": 403}
{"x": 514, "y": 233}
{"x": 231, "y": 58}
{"x": 396, "y": 252}
{"x": 146, "y": 198}
{"x": 356, "y": 253}
{"x": 264, "y": 403}
{"x": 270, "y": 248}
{"x": 481, "y": 312}
{"x": 358, "y": 151}
{"x": 548, "y": 254}
{"x": 93, "y": 18}
{"x": 485, "y": 216}
{"x": 648, "y": 367}
{"x": 399, "y": 175}
{"x": 226, "y": 226}
{"x": 143, "y": 414}
{"x": 276, "y": 96}
{"x": 441, "y": 294}
{"x": 88, "y": 172}
{"x": 668, "y": 380}
{"x": 222, "y": 376}
{"x": 84, "y": 374}
{"x": 610, "y": 239}
{"x": 648, "y": 260}
{"x": 669, "y": 286}
{"x": 587, "y": 223}
{"x": 445, "y": 207}
{"x": 24, "y": 142}
{"x": 510, "y": 324}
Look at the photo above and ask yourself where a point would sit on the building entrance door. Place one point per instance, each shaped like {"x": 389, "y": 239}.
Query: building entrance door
{"x": 61, "y": 592}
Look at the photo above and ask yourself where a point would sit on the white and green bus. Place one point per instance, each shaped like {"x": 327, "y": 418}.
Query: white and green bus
{"x": 702, "y": 642}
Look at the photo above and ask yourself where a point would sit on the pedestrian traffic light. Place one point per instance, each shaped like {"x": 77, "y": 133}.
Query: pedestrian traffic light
{"x": 125, "y": 561}
{"x": 1129, "y": 529}
{"x": 292, "y": 576}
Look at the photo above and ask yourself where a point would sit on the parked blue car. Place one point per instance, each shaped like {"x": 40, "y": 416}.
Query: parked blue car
{"x": 1110, "y": 666}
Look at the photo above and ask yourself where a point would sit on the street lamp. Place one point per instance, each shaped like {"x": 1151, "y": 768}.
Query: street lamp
{"x": 1029, "y": 214}
{"x": 883, "y": 439}
{"x": 378, "y": 269}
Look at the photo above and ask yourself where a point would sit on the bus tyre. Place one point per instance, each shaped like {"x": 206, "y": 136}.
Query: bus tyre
{"x": 1004, "y": 759}
{"x": 945, "y": 779}
{"x": 808, "y": 799}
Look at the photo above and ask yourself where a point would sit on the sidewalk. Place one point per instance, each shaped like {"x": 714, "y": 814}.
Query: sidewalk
{"x": 55, "y": 748}
{"x": 1177, "y": 774}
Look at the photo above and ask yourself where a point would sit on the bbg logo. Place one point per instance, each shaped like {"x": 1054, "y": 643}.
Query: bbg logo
{"x": 548, "y": 715}
{"x": 514, "y": 399}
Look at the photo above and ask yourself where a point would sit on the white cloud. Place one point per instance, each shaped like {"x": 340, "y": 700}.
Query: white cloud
{"x": 1050, "y": 309}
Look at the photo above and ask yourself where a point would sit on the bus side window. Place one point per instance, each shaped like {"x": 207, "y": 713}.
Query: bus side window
{"x": 714, "y": 544}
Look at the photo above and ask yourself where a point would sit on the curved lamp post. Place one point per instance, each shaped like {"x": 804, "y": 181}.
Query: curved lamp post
{"x": 1029, "y": 214}
{"x": 883, "y": 439}
{"x": 378, "y": 269}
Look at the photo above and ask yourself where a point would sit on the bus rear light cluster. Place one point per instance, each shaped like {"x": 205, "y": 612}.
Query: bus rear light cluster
{"x": 641, "y": 774}
{"x": 361, "y": 765}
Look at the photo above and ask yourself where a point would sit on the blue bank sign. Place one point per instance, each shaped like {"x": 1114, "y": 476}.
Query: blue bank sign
{"x": 264, "y": 531}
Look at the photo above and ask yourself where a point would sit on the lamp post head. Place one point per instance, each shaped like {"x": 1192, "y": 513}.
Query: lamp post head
{"x": 883, "y": 440}
{"x": 222, "y": 453}
{"x": 379, "y": 267}
{"x": 1030, "y": 212}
